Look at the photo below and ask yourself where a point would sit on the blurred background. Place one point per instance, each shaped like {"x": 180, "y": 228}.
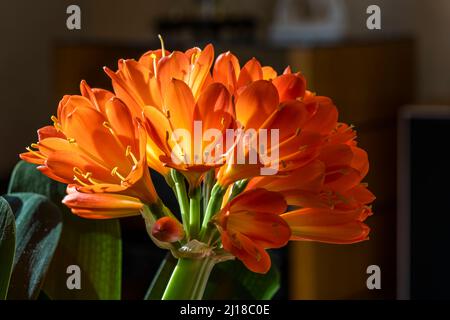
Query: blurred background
{"x": 370, "y": 74}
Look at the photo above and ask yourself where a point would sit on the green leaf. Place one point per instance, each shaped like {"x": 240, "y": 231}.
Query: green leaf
{"x": 93, "y": 245}
{"x": 159, "y": 283}
{"x": 7, "y": 245}
{"x": 232, "y": 280}
{"x": 38, "y": 228}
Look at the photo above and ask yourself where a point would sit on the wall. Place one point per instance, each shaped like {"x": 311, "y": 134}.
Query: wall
{"x": 29, "y": 29}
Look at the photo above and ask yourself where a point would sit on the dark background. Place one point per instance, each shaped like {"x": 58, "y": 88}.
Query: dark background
{"x": 370, "y": 74}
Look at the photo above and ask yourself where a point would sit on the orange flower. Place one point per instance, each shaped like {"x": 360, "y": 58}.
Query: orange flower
{"x": 251, "y": 223}
{"x": 149, "y": 83}
{"x": 172, "y": 90}
{"x": 334, "y": 202}
{"x": 98, "y": 149}
{"x": 302, "y": 125}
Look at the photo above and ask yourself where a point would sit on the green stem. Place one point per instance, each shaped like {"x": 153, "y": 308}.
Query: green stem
{"x": 213, "y": 207}
{"x": 180, "y": 191}
{"x": 207, "y": 186}
{"x": 238, "y": 187}
{"x": 194, "y": 213}
{"x": 189, "y": 279}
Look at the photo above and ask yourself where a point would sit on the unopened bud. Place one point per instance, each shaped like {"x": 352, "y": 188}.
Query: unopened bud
{"x": 167, "y": 229}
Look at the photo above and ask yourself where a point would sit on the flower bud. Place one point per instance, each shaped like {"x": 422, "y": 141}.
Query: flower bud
{"x": 167, "y": 229}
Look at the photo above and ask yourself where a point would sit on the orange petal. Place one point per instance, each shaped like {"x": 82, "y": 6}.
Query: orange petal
{"x": 308, "y": 178}
{"x": 62, "y": 164}
{"x": 252, "y": 255}
{"x": 259, "y": 200}
{"x": 174, "y": 66}
{"x": 324, "y": 225}
{"x": 200, "y": 70}
{"x": 226, "y": 70}
{"x": 360, "y": 161}
{"x": 214, "y": 108}
{"x": 269, "y": 73}
{"x": 180, "y": 104}
{"x": 325, "y": 117}
{"x": 49, "y": 131}
{"x": 267, "y": 229}
{"x": 290, "y": 86}
{"x": 250, "y": 72}
{"x": 120, "y": 119}
{"x": 102, "y": 201}
{"x": 98, "y": 97}
{"x": 256, "y": 103}
{"x": 69, "y": 103}
{"x": 86, "y": 126}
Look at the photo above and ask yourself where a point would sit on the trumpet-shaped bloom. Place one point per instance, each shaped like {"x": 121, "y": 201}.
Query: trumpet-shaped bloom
{"x": 251, "y": 223}
{"x": 97, "y": 148}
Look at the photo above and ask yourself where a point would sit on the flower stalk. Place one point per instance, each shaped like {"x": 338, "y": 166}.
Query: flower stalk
{"x": 189, "y": 279}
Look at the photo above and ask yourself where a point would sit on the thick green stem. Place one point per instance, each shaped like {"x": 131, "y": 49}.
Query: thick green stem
{"x": 189, "y": 279}
{"x": 194, "y": 213}
{"x": 180, "y": 191}
{"x": 213, "y": 207}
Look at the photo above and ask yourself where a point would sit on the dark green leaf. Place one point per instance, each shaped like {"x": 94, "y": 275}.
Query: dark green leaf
{"x": 159, "y": 283}
{"x": 94, "y": 245}
{"x": 7, "y": 245}
{"x": 232, "y": 280}
{"x": 38, "y": 228}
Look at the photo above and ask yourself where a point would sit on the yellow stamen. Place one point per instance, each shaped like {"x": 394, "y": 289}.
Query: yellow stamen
{"x": 153, "y": 56}
{"x": 168, "y": 114}
{"x": 71, "y": 140}
{"x": 130, "y": 154}
{"x": 35, "y": 145}
{"x": 37, "y": 154}
{"x": 56, "y": 123}
{"x": 114, "y": 172}
{"x": 162, "y": 45}
{"x": 78, "y": 171}
{"x": 75, "y": 178}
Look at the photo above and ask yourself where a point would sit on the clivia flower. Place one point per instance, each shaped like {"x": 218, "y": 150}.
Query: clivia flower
{"x": 98, "y": 149}
{"x": 272, "y": 164}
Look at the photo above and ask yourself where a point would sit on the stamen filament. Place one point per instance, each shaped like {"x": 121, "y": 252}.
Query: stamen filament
{"x": 37, "y": 154}
{"x": 162, "y": 45}
{"x": 130, "y": 154}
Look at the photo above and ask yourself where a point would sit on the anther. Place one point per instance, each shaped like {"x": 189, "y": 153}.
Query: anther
{"x": 35, "y": 145}
{"x": 114, "y": 172}
{"x": 75, "y": 178}
{"x": 71, "y": 140}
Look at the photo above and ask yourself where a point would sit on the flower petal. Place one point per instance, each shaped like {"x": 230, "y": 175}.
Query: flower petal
{"x": 200, "y": 70}
{"x": 290, "y": 86}
{"x": 325, "y": 225}
{"x": 252, "y": 255}
{"x": 256, "y": 103}
{"x": 226, "y": 70}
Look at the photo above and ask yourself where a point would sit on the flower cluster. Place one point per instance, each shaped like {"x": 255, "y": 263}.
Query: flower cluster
{"x": 103, "y": 143}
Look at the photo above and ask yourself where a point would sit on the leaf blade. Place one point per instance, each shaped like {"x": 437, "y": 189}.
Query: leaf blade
{"x": 94, "y": 245}
{"x": 7, "y": 246}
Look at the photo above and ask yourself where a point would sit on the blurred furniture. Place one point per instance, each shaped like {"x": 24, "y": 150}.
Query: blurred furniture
{"x": 368, "y": 81}
{"x": 423, "y": 212}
